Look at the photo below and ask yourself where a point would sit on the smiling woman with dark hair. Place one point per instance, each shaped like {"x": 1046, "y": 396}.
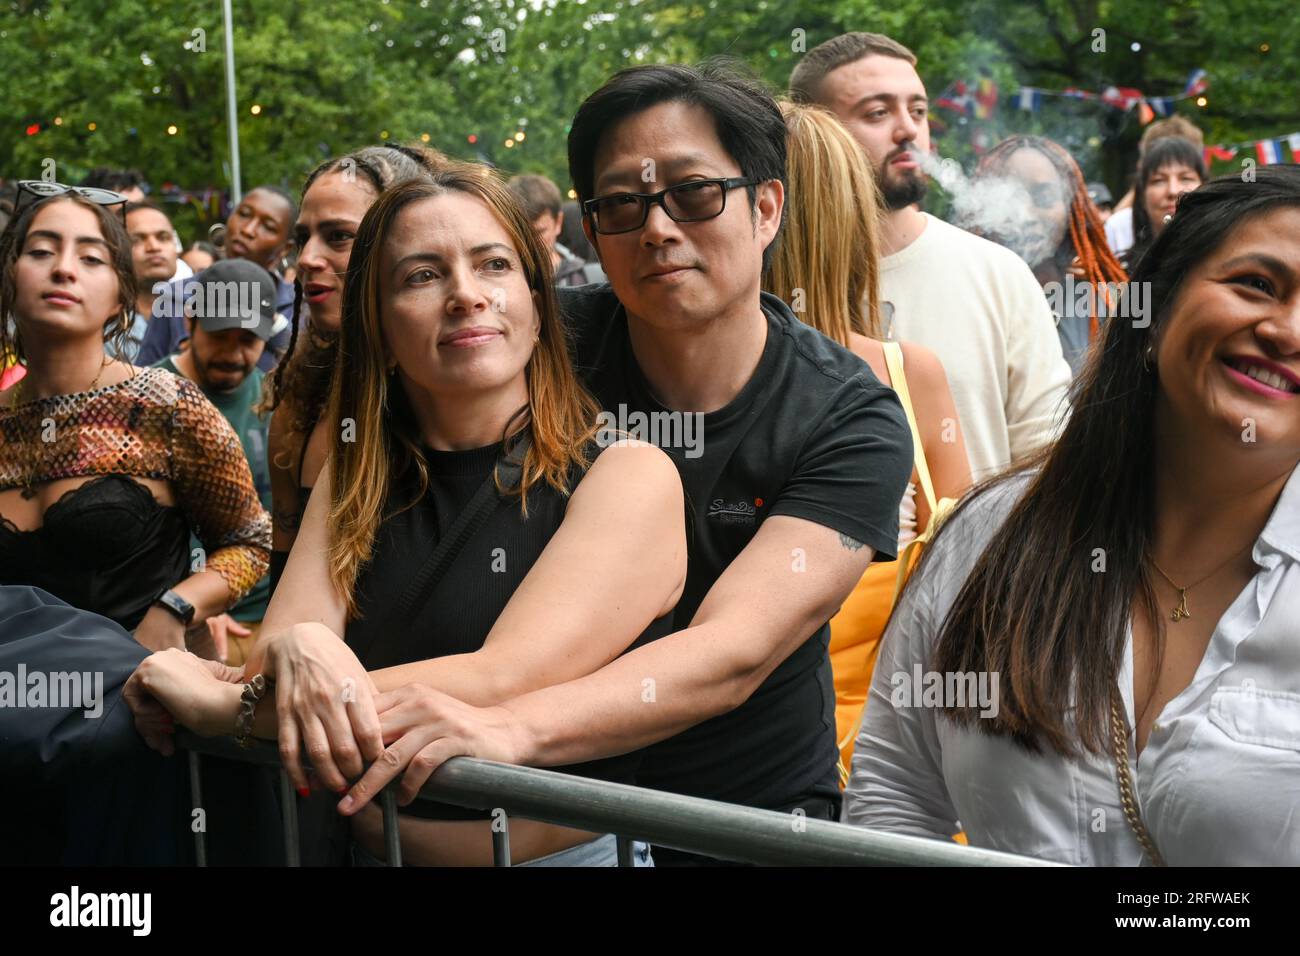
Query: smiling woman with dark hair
{"x": 1130, "y": 597}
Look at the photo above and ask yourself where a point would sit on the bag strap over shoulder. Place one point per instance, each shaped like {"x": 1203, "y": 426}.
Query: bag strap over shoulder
{"x": 480, "y": 507}
{"x": 939, "y": 509}
{"x": 898, "y": 380}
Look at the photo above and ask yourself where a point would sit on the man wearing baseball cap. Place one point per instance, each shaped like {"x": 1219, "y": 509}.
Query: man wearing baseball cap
{"x": 230, "y": 316}
{"x": 1100, "y": 195}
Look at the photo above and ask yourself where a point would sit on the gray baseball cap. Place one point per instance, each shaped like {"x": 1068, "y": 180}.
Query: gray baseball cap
{"x": 235, "y": 294}
{"x": 1099, "y": 193}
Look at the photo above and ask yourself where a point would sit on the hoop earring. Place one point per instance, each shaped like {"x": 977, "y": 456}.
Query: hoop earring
{"x": 1149, "y": 358}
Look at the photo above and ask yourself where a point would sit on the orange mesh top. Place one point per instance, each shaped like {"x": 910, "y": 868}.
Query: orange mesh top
{"x": 153, "y": 425}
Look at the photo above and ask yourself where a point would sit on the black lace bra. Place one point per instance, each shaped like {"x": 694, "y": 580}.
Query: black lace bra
{"x": 106, "y": 546}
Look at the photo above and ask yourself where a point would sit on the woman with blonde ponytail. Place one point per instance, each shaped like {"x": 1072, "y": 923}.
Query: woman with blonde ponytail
{"x": 827, "y": 268}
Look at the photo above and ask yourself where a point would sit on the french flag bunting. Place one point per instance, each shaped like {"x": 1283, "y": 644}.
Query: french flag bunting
{"x": 1030, "y": 99}
{"x": 1269, "y": 151}
{"x": 1162, "y": 105}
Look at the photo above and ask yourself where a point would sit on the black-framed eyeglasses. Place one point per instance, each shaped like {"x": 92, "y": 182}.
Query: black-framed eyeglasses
{"x": 692, "y": 201}
{"x": 41, "y": 189}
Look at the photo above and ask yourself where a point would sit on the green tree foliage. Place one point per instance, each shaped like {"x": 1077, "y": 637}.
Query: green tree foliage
{"x": 330, "y": 75}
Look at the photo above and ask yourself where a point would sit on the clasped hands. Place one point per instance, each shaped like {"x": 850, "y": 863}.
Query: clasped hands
{"x": 327, "y": 710}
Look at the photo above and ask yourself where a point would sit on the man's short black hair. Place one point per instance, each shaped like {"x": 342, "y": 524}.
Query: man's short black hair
{"x": 145, "y": 204}
{"x": 118, "y": 180}
{"x": 749, "y": 123}
{"x": 283, "y": 194}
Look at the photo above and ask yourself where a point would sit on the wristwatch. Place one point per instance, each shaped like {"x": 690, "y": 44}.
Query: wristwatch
{"x": 177, "y": 605}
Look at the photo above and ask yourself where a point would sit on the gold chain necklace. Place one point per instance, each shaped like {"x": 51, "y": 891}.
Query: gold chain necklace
{"x": 30, "y": 472}
{"x": 1127, "y": 800}
{"x": 1180, "y": 609}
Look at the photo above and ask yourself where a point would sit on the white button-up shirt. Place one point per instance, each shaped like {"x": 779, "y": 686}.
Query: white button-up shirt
{"x": 1218, "y": 781}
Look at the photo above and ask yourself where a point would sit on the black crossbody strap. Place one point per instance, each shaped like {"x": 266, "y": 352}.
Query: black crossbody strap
{"x": 466, "y": 525}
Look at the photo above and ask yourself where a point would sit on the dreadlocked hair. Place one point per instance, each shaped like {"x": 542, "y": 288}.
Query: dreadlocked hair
{"x": 1086, "y": 235}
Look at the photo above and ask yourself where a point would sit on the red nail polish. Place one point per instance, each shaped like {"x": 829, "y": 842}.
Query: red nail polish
{"x": 304, "y": 792}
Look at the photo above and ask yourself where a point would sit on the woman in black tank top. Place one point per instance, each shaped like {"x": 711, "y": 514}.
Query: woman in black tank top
{"x": 467, "y": 537}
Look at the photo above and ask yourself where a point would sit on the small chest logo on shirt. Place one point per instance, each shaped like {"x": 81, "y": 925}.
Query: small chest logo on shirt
{"x": 735, "y": 512}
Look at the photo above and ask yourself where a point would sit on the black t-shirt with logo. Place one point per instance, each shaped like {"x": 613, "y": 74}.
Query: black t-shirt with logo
{"x": 813, "y": 435}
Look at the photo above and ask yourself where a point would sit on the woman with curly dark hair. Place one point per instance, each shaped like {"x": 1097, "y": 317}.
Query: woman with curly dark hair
{"x": 334, "y": 200}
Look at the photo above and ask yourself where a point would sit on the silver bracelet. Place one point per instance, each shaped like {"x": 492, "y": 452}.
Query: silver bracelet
{"x": 254, "y": 691}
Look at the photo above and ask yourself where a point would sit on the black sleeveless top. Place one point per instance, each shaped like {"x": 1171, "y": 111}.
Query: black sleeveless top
{"x": 106, "y": 546}
{"x": 472, "y": 593}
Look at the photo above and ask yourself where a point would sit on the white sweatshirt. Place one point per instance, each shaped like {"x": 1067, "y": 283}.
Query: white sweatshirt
{"x": 979, "y": 308}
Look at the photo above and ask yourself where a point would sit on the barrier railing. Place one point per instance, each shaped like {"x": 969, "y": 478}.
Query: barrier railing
{"x": 721, "y": 830}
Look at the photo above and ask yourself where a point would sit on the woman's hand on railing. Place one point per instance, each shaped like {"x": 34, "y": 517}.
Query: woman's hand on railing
{"x": 175, "y": 685}
{"x": 428, "y": 728}
{"x": 325, "y": 706}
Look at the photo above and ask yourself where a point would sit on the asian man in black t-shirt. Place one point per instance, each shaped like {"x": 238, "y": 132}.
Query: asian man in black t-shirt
{"x": 793, "y": 455}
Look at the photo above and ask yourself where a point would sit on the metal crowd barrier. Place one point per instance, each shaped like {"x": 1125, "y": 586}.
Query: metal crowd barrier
{"x": 721, "y": 830}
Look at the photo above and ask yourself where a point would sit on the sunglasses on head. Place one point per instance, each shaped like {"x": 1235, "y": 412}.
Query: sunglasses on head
{"x": 40, "y": 189}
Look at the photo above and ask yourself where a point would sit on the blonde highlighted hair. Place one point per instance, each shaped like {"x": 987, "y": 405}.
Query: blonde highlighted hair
{"x": 562, "y": 414}
{"x": 828, "y": 257}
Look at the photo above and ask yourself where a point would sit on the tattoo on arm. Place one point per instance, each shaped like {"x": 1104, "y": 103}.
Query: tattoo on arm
{"x": 851, "y": 543}
{"x": 287, "y": 520}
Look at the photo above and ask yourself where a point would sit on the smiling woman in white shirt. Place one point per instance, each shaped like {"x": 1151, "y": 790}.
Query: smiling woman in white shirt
{"x": 1142, "y": 573}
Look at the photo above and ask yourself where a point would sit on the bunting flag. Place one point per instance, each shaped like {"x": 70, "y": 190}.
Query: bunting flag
{"x": 1198, "y": 82}
{"x": 1269, "y": 152}
{"x": 1161, "y": 105}
{"x": 955, "y": 98}
{"x": 986, "y": 98}
{"x": 980, "y": 98}
{"x": 1029, "y": 99}
{"x": 1122, "y": 98}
